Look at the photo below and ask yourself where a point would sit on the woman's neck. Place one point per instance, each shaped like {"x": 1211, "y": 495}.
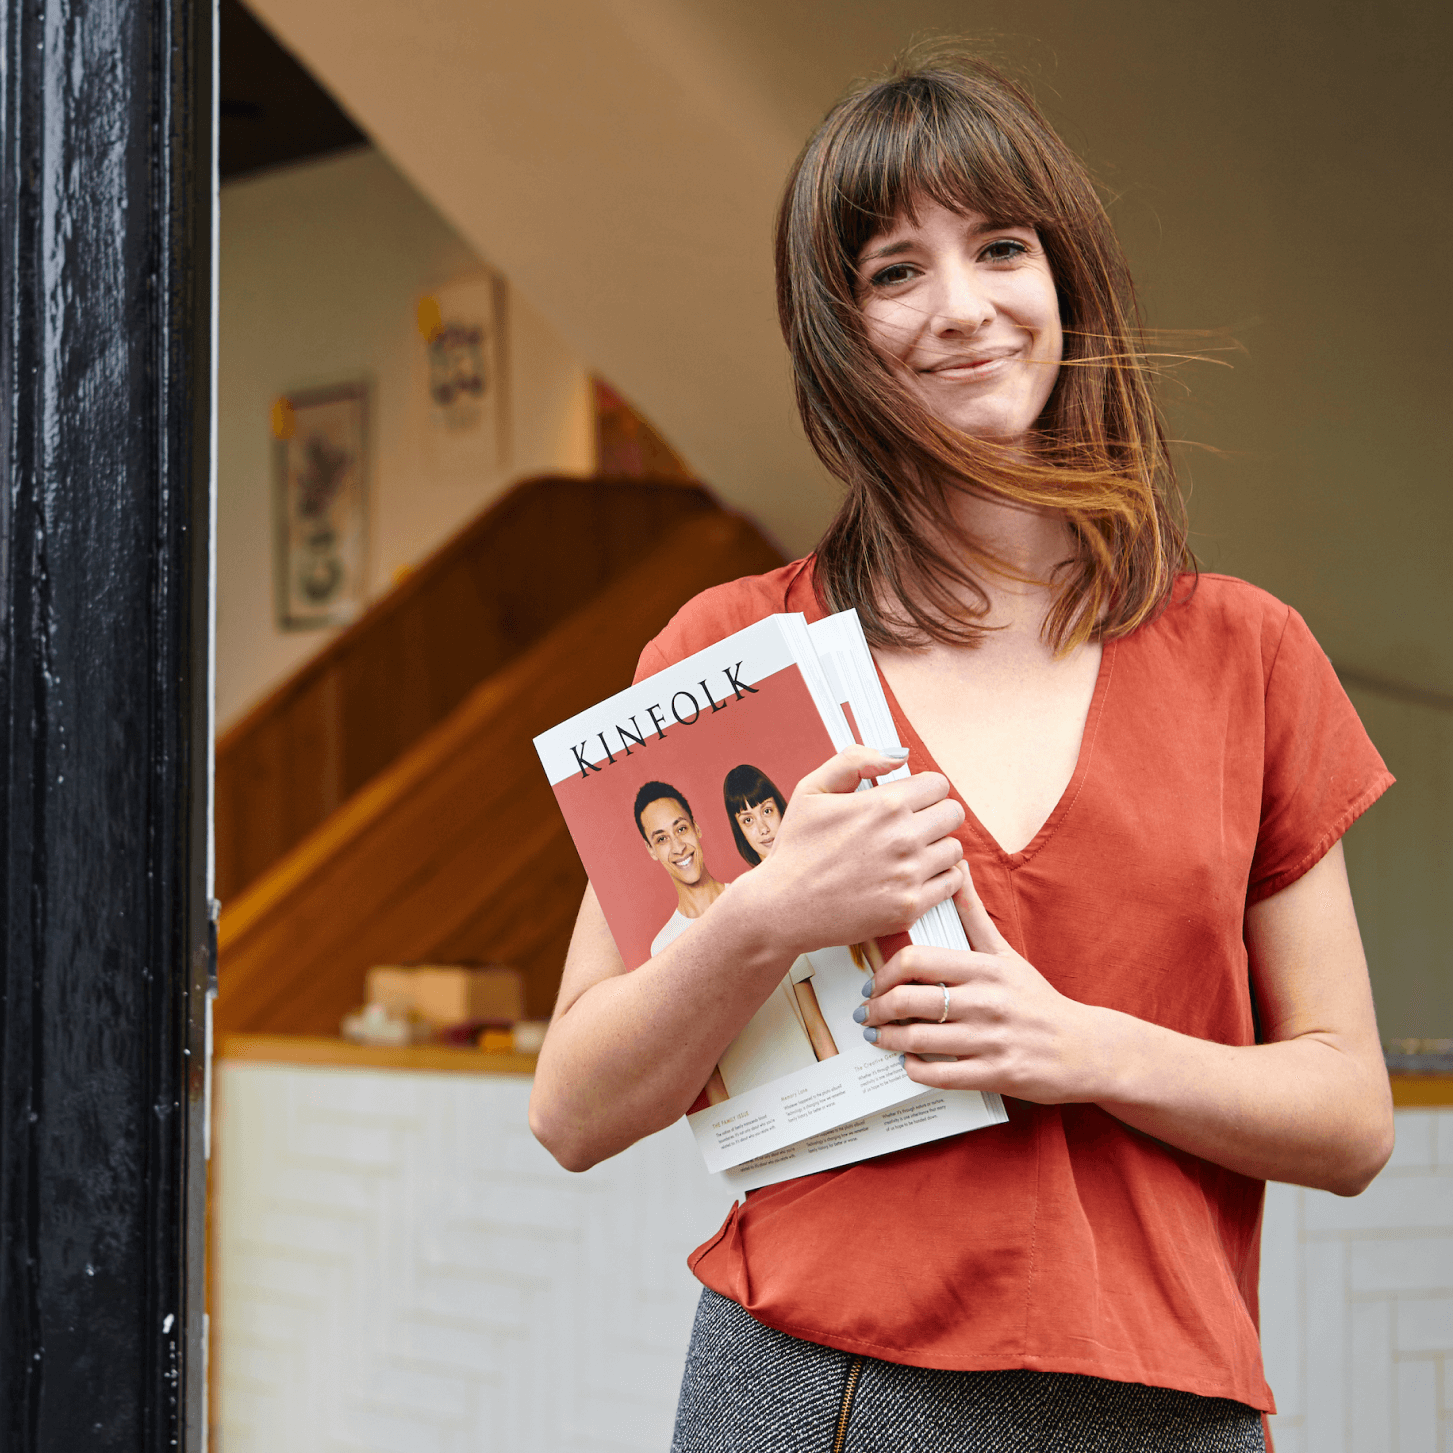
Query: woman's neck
{"x": 1027, "y": 544}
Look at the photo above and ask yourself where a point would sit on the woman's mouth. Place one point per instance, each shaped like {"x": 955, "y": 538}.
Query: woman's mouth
{"x": 966, "y": 366}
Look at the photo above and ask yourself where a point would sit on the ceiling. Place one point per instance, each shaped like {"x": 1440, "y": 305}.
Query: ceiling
{"x": 272, "y": 110}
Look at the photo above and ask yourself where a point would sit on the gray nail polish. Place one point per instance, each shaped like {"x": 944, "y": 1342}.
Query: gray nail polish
{"x": 903, "y": 1060}
{"x": 861, "y": 1014}
{"x": 871, "y": 1035}
{"x": 868, "y": 987}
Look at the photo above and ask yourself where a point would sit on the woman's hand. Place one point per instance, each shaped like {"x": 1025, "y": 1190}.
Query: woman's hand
{"x": 848, "y": 865}
{"x": 1007, "y": 1027}
{"x": 1311, "y": 1105}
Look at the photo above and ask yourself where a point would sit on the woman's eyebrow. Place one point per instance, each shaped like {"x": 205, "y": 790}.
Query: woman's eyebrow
{"x": 890, "y": 249}
{"x": 976, "y": 229}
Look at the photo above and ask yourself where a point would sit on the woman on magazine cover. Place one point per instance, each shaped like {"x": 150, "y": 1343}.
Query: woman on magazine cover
{"x": 825, "y": 982}
{"x": 1131, "y": 778}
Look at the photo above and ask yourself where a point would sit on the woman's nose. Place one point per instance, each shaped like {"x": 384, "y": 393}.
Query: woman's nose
{"x": 962, "y": 305}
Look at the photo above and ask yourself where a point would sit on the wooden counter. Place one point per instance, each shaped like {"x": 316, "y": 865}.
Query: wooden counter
{"x": 1413, "y": 1092}
{"x": 1409, "y": 1092}
{"x": 301, "y": 1049}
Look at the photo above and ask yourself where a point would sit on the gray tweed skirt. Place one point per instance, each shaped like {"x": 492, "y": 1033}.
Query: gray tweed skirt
{"x": 750, "y": 1389}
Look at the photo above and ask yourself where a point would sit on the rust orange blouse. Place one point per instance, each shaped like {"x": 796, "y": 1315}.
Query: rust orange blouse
{"x": 1220, "y": 761}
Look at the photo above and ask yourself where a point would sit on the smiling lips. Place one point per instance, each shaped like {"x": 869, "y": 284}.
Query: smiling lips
{"x": 969, "y": 364}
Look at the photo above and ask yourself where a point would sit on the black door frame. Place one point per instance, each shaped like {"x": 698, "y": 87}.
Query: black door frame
{"x": 107, "y": 247}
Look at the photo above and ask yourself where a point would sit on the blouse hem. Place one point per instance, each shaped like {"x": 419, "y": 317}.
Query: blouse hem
{"x": 1259, "y": 1398}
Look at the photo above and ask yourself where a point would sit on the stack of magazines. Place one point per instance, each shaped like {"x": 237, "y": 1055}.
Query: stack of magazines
{"x": 675, "y": 787}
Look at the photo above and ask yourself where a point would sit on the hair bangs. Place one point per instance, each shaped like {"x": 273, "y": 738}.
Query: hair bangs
{"x": 923, "y": 142}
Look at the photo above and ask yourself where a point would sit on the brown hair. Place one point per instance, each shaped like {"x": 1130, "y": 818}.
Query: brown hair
{"x": 955, "y": 130}
{"x": 743, "y": 787}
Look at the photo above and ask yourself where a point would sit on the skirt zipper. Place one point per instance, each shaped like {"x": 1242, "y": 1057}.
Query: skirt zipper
{"x": 845, "y": 1412}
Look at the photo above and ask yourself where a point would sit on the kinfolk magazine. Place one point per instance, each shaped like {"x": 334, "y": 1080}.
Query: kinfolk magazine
{"x": 673, "y": 788}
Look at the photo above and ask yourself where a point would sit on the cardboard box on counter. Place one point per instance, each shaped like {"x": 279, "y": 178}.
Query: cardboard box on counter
{"x": 445, "y": 994}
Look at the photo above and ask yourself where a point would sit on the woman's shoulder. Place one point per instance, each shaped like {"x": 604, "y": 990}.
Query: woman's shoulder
{"x": 718, "y": 612}
{"x": 1220, "y": 613}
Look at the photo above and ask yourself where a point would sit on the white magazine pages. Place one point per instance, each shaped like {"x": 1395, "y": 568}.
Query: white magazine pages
{"x": 675, "y": 787}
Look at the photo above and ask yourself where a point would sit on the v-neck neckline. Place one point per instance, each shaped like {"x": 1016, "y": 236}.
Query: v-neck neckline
{"x": 918, "y": 753}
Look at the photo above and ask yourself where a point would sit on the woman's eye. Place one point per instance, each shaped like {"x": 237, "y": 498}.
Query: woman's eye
{"x": 889, "y": 277}
{"x": 1004, "y": 249}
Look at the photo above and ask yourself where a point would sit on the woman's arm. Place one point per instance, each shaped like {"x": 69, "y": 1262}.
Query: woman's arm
{"x": 627, "y": 1053}
{"x": 1311, "y": 1106}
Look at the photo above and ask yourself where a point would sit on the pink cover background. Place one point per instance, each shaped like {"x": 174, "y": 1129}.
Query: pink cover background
{"x": 777, "y": 730}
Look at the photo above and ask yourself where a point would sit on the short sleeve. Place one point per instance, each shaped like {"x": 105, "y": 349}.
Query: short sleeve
{"x": 718, "y": 612}
{"x": 652, "y": 660}
{"x": 1321, "y": 771}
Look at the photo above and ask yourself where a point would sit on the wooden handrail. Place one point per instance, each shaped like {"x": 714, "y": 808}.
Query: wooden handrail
{"x": 457, "y": 851}
{"x": 534, "y": 556}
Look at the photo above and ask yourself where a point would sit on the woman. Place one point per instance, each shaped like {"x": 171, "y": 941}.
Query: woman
{"x": 1133, "y": 781}
{"x": 754, "y": 806}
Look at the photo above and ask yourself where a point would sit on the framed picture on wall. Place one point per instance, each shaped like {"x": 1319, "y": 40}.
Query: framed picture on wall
{"x": 320, "y": 506}
{"x": 462, "y": 376}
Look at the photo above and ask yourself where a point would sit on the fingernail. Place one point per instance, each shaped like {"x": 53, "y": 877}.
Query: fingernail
{"x": 868, "y": 987}
{"x": 899, "y": 754}
{"x": 903, "y": 1060}
{"x": 861, "y": 1014}
{"x": 871, "y": 1035}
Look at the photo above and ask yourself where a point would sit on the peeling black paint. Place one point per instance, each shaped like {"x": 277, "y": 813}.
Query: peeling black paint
{"x": 105, "y": 213}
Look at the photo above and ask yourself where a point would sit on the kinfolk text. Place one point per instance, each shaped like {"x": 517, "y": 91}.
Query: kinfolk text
{"x": 685, "y": 709}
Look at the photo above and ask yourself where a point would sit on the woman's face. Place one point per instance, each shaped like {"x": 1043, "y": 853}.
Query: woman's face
{"x": 759, "y": 825}
{"x": 965, "y": 313}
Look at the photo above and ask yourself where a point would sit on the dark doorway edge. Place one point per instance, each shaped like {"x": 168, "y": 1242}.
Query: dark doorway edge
{"x": 106, "y": 298}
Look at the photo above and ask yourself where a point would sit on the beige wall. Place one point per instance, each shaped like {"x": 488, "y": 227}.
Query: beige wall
{"x": 1279, "y": 171}
{"x": 1400, "y": 859}
{"x": 321, "y": 267}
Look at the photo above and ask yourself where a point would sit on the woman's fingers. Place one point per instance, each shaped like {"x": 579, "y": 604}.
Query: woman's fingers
{"x": 917, "y": 963}
{"x": 954, "y": 1074}
{"x": 944, "y": 856}
{"x": 921, "y": 791}
{"x": 924, "y": 1002}
{"x": 848, "y": 768}
{"x": 941, "y": 819}
{"x": 938, "y": 889}
{"x": 984, "y": 936}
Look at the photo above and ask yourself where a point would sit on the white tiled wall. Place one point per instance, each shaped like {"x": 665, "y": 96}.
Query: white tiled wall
{"x": 401, "y": 1269}
{"x": 1357, "y": 1304}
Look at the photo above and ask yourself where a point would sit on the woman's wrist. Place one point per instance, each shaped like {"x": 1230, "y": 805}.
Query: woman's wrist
{"x": 752, "y": 916}
{"x": 1114, "y": 1052}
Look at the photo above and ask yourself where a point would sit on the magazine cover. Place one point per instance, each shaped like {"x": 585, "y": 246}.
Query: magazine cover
{"x": 674, "y": 788}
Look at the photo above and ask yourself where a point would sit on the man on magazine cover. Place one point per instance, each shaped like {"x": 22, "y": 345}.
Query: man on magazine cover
{"x": 775, "y": 1040}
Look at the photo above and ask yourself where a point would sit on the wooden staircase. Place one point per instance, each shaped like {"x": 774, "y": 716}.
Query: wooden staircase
{"x": 386, "y": 804}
